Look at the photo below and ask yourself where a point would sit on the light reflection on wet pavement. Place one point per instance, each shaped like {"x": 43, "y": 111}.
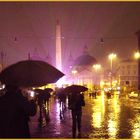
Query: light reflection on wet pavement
{"x": 102, "y": 118}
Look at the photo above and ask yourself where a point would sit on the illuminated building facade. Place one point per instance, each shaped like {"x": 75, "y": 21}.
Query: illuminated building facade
{"x": 128, "y": 73}
{"x": 82, "y": 71}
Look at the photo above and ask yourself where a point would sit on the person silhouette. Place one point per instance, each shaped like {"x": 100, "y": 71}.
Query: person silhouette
{"x": 75, "y": 103}
{"x": 15, "y": 111}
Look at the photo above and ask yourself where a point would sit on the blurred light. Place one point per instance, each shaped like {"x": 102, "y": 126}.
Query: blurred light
{"x": 118, "y": 88}
{"x": 137, "y": 55}
{"x": 32, "y": 93}
{"x": 98, "y": 112}
{"x": 96, "y": 66}
{"x": 60, "y": 82}
{"x": 2, "y": 87}
{"x": 112, "y": 56}
{"x": 74, "y": 71}
{"x": 102, "y": 83}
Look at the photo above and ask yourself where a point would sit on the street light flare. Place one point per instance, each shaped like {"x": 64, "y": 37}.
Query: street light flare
{"x": 137, "y": 55}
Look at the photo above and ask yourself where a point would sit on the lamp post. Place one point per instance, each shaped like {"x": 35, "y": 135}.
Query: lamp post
{"x": 111, "y": 56}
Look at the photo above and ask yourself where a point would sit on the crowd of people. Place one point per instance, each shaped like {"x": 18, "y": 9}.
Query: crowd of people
{"x": 16, "y": 108}
{"x": 17, "y": 105}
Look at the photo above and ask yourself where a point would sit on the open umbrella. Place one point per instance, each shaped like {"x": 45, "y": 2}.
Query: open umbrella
{"x": 30, "y": 73}
{"x": 75, "y": 88}
{"x": 48, "y": 90}
{"x": 38, "y": 91}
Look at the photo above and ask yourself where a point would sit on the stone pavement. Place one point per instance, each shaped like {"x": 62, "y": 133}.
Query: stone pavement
{"x": 56, "y": 127}
{"x": 100, "y": 120}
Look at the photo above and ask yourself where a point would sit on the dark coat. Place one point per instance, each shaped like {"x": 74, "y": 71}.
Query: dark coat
{"x": 76, "y": 101}
{"x": 15, "y": 110}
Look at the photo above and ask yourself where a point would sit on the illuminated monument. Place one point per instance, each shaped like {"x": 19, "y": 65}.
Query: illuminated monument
{"x": 58, "y": 47}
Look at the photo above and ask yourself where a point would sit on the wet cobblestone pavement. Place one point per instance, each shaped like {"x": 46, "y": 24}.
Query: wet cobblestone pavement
{"x": 102, "y": 118}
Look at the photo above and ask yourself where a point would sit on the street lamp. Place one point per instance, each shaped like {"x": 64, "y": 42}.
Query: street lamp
{"x": 137, "y": 55}
{"x": 111, "y": 56}
{"x": 97, "y": 67}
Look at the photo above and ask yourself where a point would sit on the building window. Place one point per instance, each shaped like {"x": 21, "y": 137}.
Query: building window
{"x": 127, "y": 82}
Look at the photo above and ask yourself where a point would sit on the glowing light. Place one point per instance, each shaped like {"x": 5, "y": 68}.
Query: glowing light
{"x": 32, "y": 93}
{"x": 60, "y": 82}
{"x": 96, "y": 66}
{"x": 2, "y": 87}
{"x": 112, "y": 56}
{"x": 96, "y": 119}
{"x": 74, "y": 72}
{"x": 137, "y": 55}
{"x": 98, "y": 112}
{"x": 114, "y": 119}
{"x": 102, "y": 83}
{"x": 112, "y": 128}
{"x": 136, "y": 131}
{"x": 118, "y": 88}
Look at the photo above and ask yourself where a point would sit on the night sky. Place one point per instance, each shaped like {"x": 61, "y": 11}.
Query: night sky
{"x": 29, "y": 27}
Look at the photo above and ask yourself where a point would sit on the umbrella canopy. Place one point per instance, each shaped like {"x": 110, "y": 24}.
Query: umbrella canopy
{"x": 30, "y": 73}
{"x": 48, "y": 90}
{"x": 75, "y": 88}
{"x": 39, "y": 91}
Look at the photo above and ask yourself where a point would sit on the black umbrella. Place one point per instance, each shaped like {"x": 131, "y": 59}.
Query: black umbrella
{"x": 75, "y": 88}
{"x": 30, "y": 73}
{"x": 39, "y": 91}
{"x": 48, "y": 90}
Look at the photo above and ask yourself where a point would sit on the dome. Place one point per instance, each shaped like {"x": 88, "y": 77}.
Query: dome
{"x": 85, "y": 60}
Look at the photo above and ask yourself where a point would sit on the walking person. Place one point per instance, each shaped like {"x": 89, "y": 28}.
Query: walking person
{"x": 40, "y": 102}
{"x": 46, "y": 98}
{"x": 15, "y": 111}
{"x": 75, "y": 103}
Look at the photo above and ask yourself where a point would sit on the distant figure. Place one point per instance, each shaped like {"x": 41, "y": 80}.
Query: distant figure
{"x": 75, "y": 103}
{"x": 40, "y": 101}
{"x": 15, "y": 111}
{"x": 62, "y": 100}
{"x": 62, "y": 103}
{"x": 108, "y": 94}
{"x": 46, "y": 98}
{"x": 94, "y": 94}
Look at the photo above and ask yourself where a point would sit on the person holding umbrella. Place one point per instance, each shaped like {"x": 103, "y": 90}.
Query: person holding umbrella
{"x": 14, "y": 107}
{"x": 75, "y": 103}
{"x": 15, "y": 111}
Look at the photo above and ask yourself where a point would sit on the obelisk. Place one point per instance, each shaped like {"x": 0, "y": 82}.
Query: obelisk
{"x": 58, "y": 47}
